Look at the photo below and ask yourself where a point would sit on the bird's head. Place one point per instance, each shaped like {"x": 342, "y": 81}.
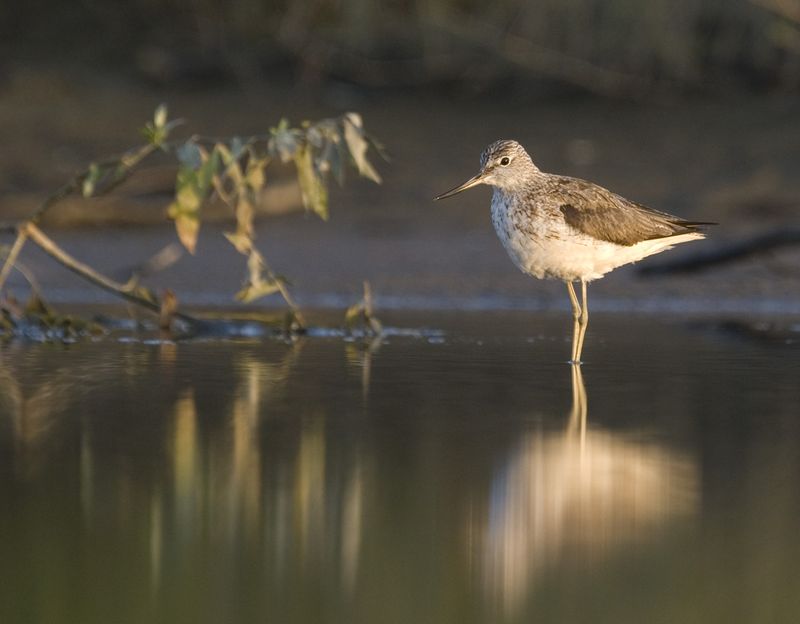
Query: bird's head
{"x": 504, "y": 164}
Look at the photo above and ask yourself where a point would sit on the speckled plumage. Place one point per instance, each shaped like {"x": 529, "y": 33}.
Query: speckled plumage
{"x": 569, "y": 229}
{"x": 558, "y": 227}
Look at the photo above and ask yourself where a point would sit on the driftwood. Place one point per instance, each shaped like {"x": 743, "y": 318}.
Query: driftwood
{"x": 723, "y": 254}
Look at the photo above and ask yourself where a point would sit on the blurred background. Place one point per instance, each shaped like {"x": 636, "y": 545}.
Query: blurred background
{"x": 689, "y": 106}
{"x": 608, "y": 47}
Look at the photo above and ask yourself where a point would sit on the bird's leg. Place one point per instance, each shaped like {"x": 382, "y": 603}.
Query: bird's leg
{"x": 583, "y": 321}
{"x": 576, "y": 314}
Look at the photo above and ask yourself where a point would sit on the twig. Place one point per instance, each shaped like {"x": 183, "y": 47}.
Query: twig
{"x": 287, "y": 297}
{"x": 125, "y": 165}
{"x": 26, "y": 273}
{"x": 13, "y": 254}
{"x": 137, "y": 295}
{"x": 363, "y": 312}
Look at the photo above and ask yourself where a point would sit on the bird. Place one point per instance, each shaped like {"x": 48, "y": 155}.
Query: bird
{"x": 559, "y": 227}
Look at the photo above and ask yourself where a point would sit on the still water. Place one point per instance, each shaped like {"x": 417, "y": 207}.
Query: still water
{"x": 462, "y": 474}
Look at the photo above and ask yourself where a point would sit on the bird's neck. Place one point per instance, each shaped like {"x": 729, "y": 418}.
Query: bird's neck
{"x": 519, "y": 185}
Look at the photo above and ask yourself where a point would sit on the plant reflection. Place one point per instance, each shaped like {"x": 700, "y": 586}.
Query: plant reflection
{"x": 360, "y": 356}
{"x": 235, "y": 489}
{"x": 574, "y": 495}
{"x": 216, "y": 481}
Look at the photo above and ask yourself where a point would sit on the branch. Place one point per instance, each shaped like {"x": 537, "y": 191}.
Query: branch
{"x": 13, "y": 254}
{"x": 287, "y": 297}
{"x": 124, "y": 165}
{"x": 137, "y": 294}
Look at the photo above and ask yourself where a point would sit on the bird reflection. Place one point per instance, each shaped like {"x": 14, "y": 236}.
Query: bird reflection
{"x": 574, "y": 495}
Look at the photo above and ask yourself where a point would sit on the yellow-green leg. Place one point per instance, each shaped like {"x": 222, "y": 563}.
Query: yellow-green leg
{"x": 580, "y": 312}
{"x": 583, "y": 321}
{"x": 576, "y": 314}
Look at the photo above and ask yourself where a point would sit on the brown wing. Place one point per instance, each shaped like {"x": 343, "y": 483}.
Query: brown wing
{"x": 604, "y": 215}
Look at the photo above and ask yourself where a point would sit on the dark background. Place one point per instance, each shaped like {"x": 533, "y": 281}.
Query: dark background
{"x": 617, "y": 48}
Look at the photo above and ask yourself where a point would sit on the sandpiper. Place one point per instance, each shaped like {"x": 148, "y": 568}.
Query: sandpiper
{"x": 564, "y": 228}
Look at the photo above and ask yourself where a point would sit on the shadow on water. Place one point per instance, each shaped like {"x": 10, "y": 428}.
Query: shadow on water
{"x": 461, "y": 478}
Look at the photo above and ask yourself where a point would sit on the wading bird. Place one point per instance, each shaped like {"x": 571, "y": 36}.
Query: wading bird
{"x": 564, "y": 228}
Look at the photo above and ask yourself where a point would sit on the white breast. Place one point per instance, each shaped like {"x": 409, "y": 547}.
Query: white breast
{"x": 544, "y": 246}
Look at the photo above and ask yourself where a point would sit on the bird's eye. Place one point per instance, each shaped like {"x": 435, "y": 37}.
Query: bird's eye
{"x": 504, "y": 161}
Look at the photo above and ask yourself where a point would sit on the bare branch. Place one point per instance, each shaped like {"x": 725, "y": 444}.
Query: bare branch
{"x": 13, "y": 254}
{"x": 137, "y": 294}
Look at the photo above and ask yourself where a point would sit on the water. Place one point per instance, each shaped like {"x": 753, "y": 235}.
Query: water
{"x": 463, "y": 476}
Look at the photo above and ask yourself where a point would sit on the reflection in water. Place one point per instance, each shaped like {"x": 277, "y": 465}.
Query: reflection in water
{"x": 360, "y": 355}
{"x": 195, "y": 486}
{"x": 324, "y": 481}
{"x": 577, "y": 493}
{"x": 238, "y": 489}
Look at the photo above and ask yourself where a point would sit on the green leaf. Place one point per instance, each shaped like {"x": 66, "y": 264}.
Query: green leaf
{"x": 90, "y": 181}
{"x": 354, "y": 314}
{"x": 206, "y": 173}
{"x": 237, "y": 147}
{"x": 187, "y": 191}
{"x": 312, "y": 186}
{"x": 187, "y": 225}
{"x": 250, "y": 292}
{"x": 157, "y": 131}
{"x": 160, "y": 116}
{"x": 255, "y": 174}
{"x": 244, "y": 215}
{"x": 145, "y": 293}
{"x": 332, "y": 158}
{"x": 315, "y": 135}
{"x": 357, "y": 144}
{"x": 225, "y": 154}
{"x": 153, "y": 135}
{"x": 191, "y": 190}
{"x": 257, "y": 285}
{"x": 242, "y": 239}
{"x": 241, "y": 242}
{"x": 189, "y": 155}
{"x": 284, "y": 142}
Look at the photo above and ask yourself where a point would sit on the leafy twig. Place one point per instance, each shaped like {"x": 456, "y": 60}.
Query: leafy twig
{"x": 363, "y": 313}
{"x": 234, "y": 171}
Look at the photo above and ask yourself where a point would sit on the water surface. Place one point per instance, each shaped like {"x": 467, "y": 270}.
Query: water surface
{"x": 467, "y": 475}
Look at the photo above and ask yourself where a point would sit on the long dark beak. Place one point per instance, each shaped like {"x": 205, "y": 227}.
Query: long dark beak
{"x": 473, "y": 181}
